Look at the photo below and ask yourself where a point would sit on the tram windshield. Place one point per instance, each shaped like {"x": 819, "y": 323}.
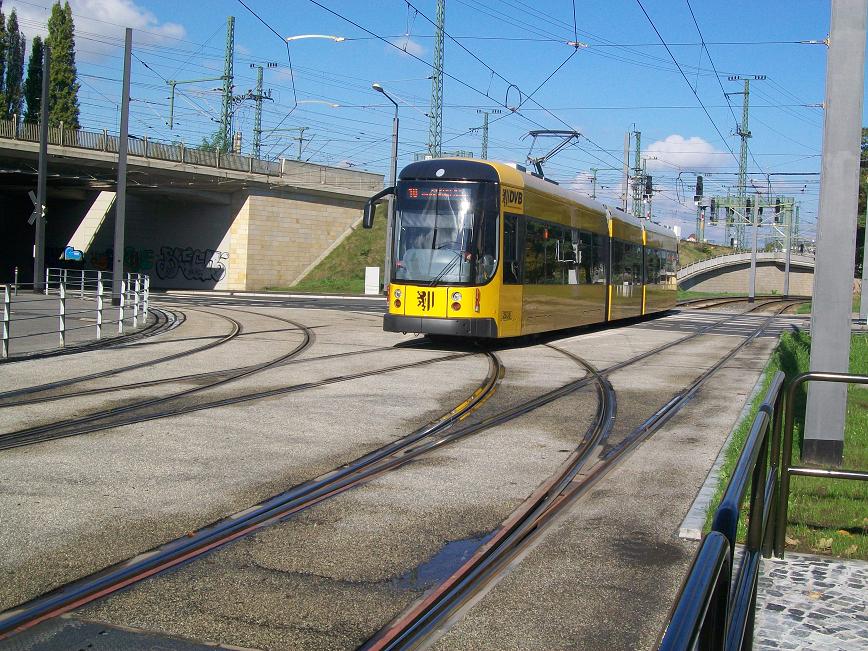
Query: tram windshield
{"x": 445, "y": 232}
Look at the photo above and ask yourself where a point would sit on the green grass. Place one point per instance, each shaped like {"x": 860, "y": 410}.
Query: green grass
{"x": 343, "y": 270}
{"x": 805, "y": 308}
{"x": 825, "y": 516}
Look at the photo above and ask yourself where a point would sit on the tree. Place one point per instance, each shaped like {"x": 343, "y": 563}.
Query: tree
{"x": 2, "y": 54}
{"x": 33, "y": 83}
{"x": 15, "y": 43}
{"x": 214, "y": 143}
{"x": 62, "y": 84}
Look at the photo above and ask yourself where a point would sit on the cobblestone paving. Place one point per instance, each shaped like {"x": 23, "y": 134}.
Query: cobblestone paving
{"x": 812, "y": 602}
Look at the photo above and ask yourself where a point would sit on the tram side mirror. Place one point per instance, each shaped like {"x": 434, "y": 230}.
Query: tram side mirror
{"x": 371, "y": 206}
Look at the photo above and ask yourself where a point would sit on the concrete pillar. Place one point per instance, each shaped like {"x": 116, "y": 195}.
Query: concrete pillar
{"x": 836, "y": 231}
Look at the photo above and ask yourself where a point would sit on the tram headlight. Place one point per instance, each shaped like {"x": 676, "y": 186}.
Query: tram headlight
{"x": 397, "y": 293}
{"x": 456, "y": 296}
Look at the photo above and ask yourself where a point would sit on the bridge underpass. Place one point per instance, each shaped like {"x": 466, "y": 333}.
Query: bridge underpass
{"x": 731, "y": 274}
{"x": 189, "y": 226}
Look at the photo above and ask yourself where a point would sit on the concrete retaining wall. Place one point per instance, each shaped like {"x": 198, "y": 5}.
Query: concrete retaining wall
{"x": 735, "y": 278}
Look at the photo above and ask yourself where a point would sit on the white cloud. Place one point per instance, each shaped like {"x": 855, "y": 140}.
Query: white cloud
{"x": 409, "y": 46}
{"x": 96, "y": 19}
{"x": 684, "y": 153}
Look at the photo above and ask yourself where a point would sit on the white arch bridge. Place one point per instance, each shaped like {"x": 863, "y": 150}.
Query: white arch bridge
{"x": 731, "y": 273}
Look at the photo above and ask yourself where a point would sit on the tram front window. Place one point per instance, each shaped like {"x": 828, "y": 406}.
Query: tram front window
{"x": 445, "y": 232}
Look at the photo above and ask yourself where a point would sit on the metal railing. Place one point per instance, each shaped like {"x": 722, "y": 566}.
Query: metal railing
{"x": 788, "y": 470}
{"x": 298, "y": 172}
{"x": 723, "y": 616}
{"x": 83, "y": 284}
{"x": 714, "y": 610}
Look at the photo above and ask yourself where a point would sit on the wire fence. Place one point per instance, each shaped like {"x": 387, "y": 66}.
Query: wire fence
{"x": 68, "y": 297}
{"x": 296, "y": 172}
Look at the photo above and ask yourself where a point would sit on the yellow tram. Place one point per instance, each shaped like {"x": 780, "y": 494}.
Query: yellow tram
{"x": 485, "y": 249}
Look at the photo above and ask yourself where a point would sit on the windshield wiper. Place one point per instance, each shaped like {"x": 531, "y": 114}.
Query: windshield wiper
{"x": 447, "y": 268}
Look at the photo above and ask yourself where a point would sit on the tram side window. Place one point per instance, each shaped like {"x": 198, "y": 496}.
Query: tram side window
{"x": 600, "y": 245}
{"x": 626, "y": 263}
{"x": 654, "y": 260}
{"x": 592, "y": 261}
{"x": 670, "y": 267}
{"x": 541, "y": 266}
{"x": 511, "y": 250}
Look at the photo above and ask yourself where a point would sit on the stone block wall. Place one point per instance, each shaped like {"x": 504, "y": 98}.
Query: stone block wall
{"x": 279, "y": 235}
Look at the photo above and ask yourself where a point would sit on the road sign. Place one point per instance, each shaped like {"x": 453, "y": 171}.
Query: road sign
{"x": 37, "y": 209}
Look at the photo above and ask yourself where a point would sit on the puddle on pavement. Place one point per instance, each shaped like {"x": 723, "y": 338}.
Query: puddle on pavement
{"x": 440, "y": 566}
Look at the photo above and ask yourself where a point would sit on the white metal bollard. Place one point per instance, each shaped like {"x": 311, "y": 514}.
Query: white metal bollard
{"x": 7, "y": 313}
{"x": 46, "y": 281}
{"x": 82, "y": 284}
{"x": 136, "y": 289}
{"x": 62, "y": 315}
{"x": 15, "y": 286}
{"x": 146, "y": 297}
{"x": 99, "y": 304}
{"x": 121, "y": 308}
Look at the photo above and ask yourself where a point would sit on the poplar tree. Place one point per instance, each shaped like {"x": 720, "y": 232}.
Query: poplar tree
{"x": 2, "y": 54}
{"x": 33, "y": 83}
{"x": 15, "y": 44}
{"x": 62, "y": 84}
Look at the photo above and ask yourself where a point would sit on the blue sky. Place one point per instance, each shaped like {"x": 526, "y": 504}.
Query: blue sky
{"x": 623, "y": 77}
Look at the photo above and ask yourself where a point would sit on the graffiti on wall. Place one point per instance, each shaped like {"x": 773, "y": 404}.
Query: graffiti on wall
{"x": 135, "y": 260}
{"x": 194, "y": 264}
{"x": 204, "y": 265}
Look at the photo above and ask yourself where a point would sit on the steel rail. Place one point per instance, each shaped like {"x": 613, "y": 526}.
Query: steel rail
{"x": 269, "y": 511}
{"x": 177, "y": 378}
{"x": 512, "y": 533}
{"x": 418, "y": 622}
{"x": 162, "y": 323}
{"x": 234, "y": 331}
{"x": 105, "y": 582}
{"x": 19, "y": 437}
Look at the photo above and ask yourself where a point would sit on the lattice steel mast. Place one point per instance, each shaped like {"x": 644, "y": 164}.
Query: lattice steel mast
{"x": 228, "y": 72}
{"x": 435, "y": 129}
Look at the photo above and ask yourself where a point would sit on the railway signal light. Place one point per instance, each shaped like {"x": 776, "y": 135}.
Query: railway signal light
{"x": 778, "y": 218}
{"x": 648, "y": 187}
{"x": 713, "y": 213}
{"x": 697, "y": 197}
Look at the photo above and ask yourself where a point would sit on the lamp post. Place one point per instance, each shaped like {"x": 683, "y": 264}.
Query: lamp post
{"x": 393, "y": 177}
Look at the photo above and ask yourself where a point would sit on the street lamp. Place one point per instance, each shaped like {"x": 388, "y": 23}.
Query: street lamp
{"x": 387, "y": 275}
{"x": 336, "y": 39}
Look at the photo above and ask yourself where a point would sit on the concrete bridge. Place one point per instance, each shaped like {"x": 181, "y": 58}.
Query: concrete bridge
{"x": 731, "y": 273}
{"x": 194, "y": 219}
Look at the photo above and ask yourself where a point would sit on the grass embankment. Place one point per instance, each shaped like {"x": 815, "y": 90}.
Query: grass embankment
{"x": 343, "y": 270}
{"x": 825, "y": 516}
{"x": 690, "y": 252}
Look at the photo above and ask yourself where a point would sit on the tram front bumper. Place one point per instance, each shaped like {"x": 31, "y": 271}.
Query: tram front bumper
{"x": 432, "y": 326}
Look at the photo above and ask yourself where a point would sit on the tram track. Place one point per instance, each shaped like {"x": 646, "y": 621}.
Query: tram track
{"x": 417, "y": 623}
{"x": 165, "y": 320}
{"x": 234, "y": 331}
{"x": 274, "y": 509}
{"x": 70, "y": 427}
{"x": 442, "y": 432}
